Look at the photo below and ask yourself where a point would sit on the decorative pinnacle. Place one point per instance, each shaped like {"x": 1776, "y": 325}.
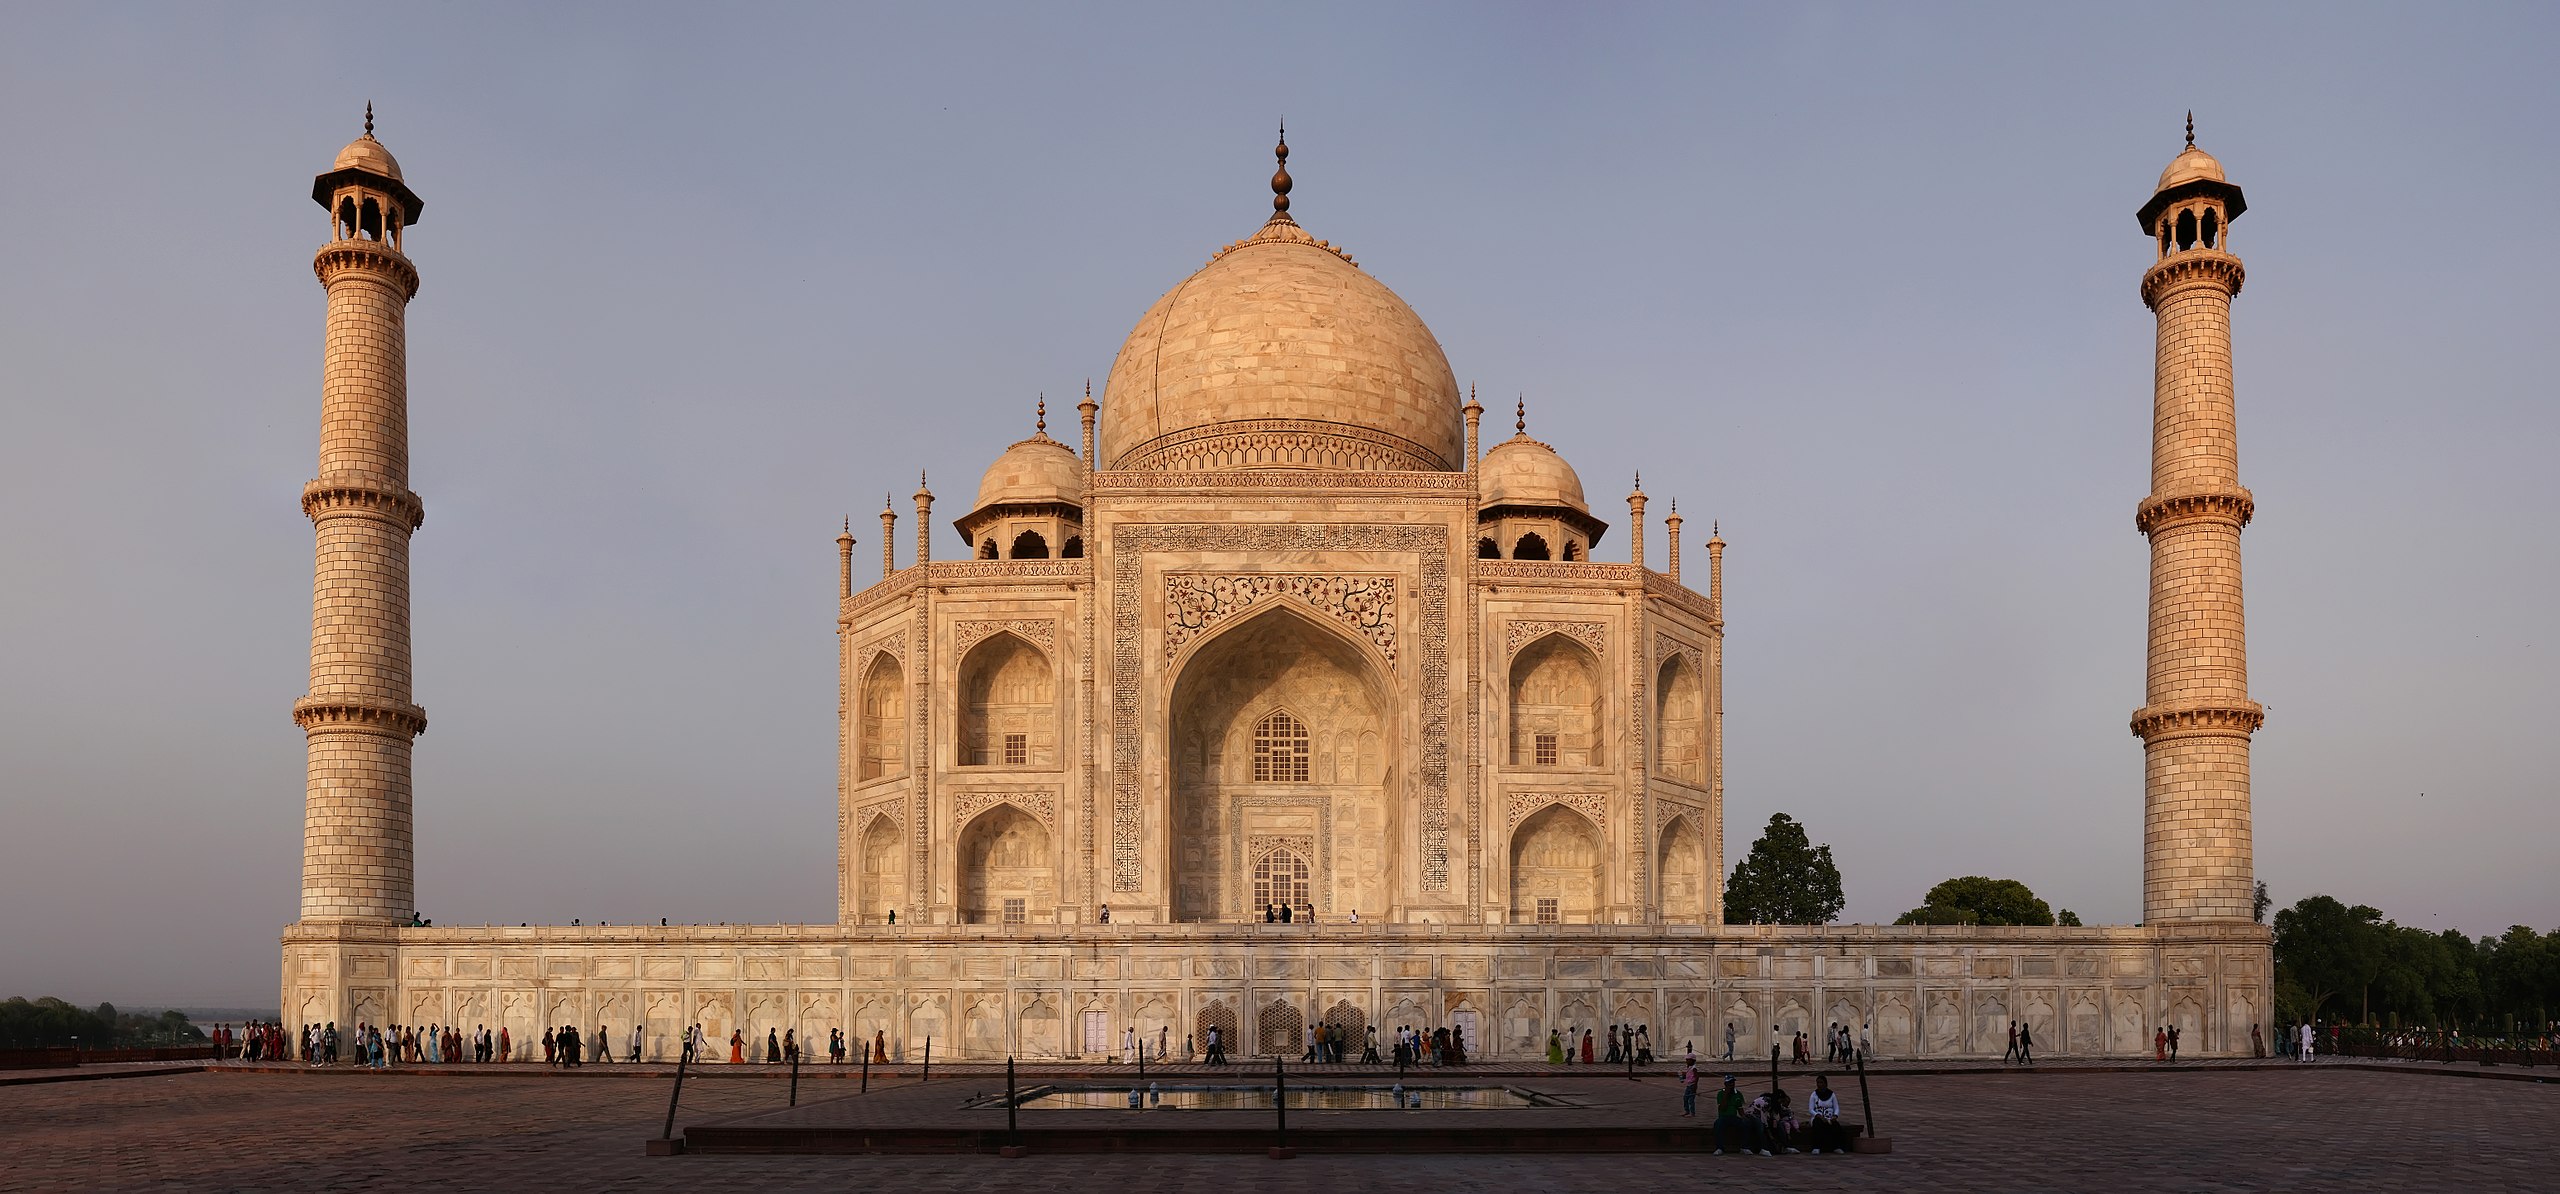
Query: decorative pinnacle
{"x": 368, "y": 119}
{"x": 1520, "y": 416}
{"x": 1280, "y": 177}
{"x": 2191, "y": 128}
{"x": 1041, "y": 423}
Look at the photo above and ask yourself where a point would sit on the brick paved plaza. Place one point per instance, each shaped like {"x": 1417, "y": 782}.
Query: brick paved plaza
{"x": 2188, "y": 1129}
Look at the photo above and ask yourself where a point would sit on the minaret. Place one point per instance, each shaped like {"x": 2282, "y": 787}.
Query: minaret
{"x": 1715, "y": 569}
{"x": 1085, "y": 410}
{"x": 1475, "y": 424}
{"x": 358, "y": 720}
{"x": 2197, "y": 716}
{"x": 888, "y": 538}
{"x": 844, "y": 561}
{"x": 924, "y": 521}
{"x": 1671, "y": 535}
{"x": 1635, "y": 526}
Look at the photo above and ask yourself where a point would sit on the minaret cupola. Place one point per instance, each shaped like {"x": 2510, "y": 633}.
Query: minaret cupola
{"x": 364, "y": 194}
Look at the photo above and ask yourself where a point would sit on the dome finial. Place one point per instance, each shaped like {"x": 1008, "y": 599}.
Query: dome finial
{"x": 1520, "y": 416}
{"x": 1041, "y": 421}
{"x": 368, "y": 118}
{"x": 1280, "y": 177}
{"x": 2191, "y": 128}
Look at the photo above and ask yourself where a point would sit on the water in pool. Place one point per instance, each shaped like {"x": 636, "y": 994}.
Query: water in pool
{"x": 1259, "y": 1098}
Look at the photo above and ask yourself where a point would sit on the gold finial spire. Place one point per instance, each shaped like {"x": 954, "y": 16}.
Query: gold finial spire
{"x": 2191, "y": 128}
{"x": 1280, "y": 177}
{"x": 1520, "y": 416}
{"x": 1041, "y": 421}
{"x": 368, "y": 119}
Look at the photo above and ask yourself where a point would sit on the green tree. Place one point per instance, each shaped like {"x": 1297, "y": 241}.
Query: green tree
{"x": 1975, "y": 900}
{"x": 2067, "y": 918}
{"x": 2259, "y": 901}
{"x": 2330, "y": 950}
{"x": 1785, "y": 880}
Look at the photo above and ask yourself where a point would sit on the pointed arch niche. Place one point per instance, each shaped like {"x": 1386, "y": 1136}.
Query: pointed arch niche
{"x": 883, "y": 716}
{"x": 1282, "y": 732}
{"x": 1008, "y": 705}
{"x": 1556, "y": 854}
{"x": 881, "y": 881}
{"x": 1685, "y": 877}
{"x": 1680, "y": 720}
{"x": 1555, "y": 705}
{"x": 1006, "y": 872}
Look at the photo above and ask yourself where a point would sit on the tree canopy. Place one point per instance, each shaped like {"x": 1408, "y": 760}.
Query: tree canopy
{"x": 2347, "y": 962}
{"x": 1785, "y": 880}
{"x": 1975, "y": 900}
{"x": 32, "y": 1023}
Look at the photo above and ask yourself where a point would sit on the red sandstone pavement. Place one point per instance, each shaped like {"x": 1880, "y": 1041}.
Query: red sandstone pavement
{"x": 2193, "y": 1128}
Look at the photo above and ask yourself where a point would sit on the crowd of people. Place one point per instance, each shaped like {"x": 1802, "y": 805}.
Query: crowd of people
{"x": 1768, "y": 1124}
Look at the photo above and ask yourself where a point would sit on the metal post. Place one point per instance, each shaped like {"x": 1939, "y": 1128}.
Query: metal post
{"x": 1773, "y": 1068}
{"x": 678, "y": 1092}
{"x": 1012, "y": 1130}
{"x": 1866, "y": 1104}
{"x": 928, "y": 1061}
{"x": 795, "y": 1077}
{"x": 866, "y": 1069}
{"x": 1280, "y": 1091}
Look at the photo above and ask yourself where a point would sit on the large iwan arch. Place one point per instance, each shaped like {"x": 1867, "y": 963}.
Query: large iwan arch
{"x": 1317, "y": 706}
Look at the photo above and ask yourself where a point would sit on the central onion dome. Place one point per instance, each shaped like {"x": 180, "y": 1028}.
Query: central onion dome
{"x": 1281, "y": 353}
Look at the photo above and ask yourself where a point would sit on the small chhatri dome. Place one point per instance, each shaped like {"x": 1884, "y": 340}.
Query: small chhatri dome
{"x": 1282, "y": 353}
{"x": 1521, "y": 471}
{"x": 365, "y": 161}
{"x": 1036, "y": 470}
{"x": 2190, "y": 174}
{"x": 2192, "y": 165}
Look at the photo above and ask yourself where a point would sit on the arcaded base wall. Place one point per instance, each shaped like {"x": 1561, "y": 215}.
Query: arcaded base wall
{"x": 1071, "y": 992}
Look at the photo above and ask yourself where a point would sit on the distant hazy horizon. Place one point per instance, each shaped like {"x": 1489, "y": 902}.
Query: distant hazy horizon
{"x": 1856, "y": 282}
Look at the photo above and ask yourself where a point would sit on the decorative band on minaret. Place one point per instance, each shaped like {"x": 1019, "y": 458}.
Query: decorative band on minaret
{"x": 2197, "y": 717}
{"x": 358, "y": 719}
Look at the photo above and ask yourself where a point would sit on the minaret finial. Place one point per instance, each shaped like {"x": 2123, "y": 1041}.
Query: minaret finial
{"x": 2191, "y": 128}
{"x": 1280, "y": 177}
{"x": 1520, "y": 416}
{"x": 368, "y": 119}
{"x": 1041, "y": 424}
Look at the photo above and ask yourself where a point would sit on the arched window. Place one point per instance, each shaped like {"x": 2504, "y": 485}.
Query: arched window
{"x": 2187, "y": 229}
{"x": 987, "y": 550}
{"x": 1030, "y": 546}
{"x": 1008, "y": 706}
{"x": 1572, "y": 550}
{"x": 1531, "y": 546}
{"x": 2212, "y": 225}
{"x": 1486, "y": 549}
{"x": 1074, "y": 550}
{"x": 1280, "y": 877}
{"x": 1280, "y": 749}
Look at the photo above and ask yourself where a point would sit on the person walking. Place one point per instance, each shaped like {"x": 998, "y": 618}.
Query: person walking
{"x": 2173, "y": 1042}
{"x": 2026, "y": 1044}
{"x": 737, "y": 1046}
{"x": 604, "y": 1046}
{"x": 1586, "y": 1046}
{"x": 772, "y": 1048}
{"x": 639, "y": 1036}
{"x": 1728, "y": 1040}
{"x": 2160, "y": 1044}
{"x": 2307, "y": 1038}
{"x": 2012, "y": 1053}
{"x": 879, "y": 1046}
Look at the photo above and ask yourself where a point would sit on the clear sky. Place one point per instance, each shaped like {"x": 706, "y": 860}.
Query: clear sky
{"x": 1858, "y": 282}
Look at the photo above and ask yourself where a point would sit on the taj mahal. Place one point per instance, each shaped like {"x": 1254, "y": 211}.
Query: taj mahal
{"x": 1278, "y": 625}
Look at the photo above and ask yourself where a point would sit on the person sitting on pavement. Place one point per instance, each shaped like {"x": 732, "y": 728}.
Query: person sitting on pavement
{"x": 1824, "y": 1107}
{"x": 1777, "y": 1120}
{"x": 1734, "y": 1125}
